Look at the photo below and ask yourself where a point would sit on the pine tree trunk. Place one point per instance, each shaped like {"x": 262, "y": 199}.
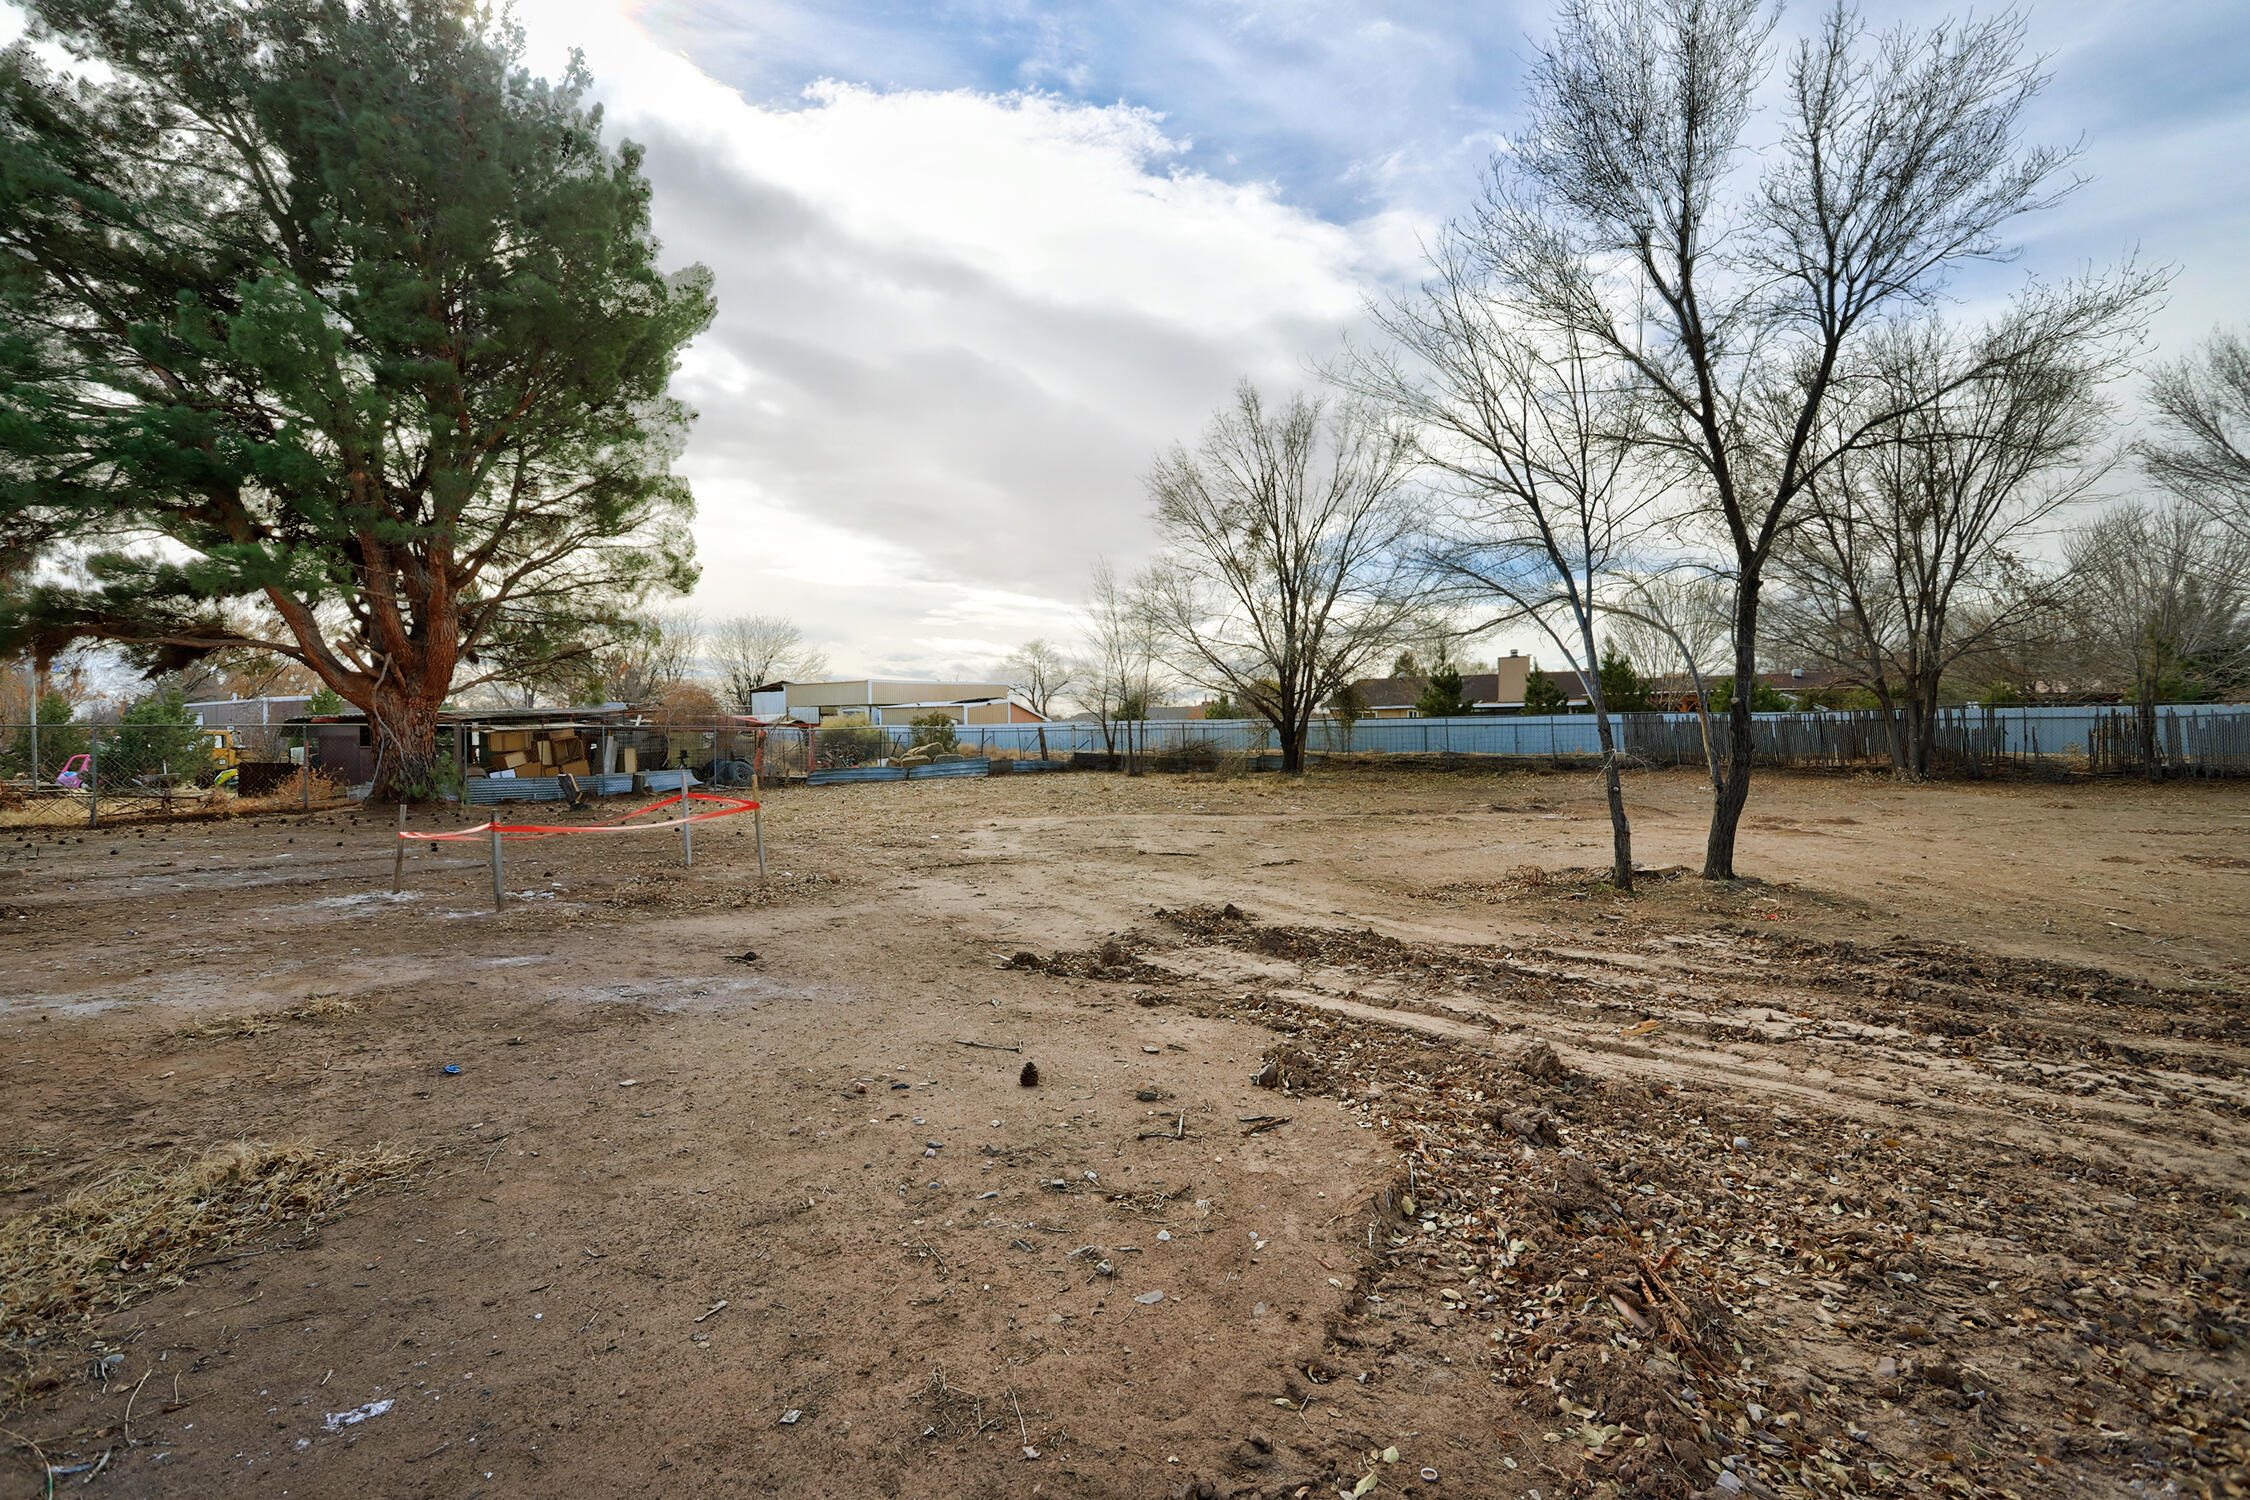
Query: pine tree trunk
{"x": 408, "y": 767}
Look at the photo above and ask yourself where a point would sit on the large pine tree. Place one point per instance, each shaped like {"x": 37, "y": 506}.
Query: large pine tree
{"x": 328, "y": 307}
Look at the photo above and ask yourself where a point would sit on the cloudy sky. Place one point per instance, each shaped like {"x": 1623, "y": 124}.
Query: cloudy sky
{"x": 977, "y": 261}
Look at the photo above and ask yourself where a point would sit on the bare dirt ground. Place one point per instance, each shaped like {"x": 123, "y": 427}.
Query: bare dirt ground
{"x": 1915, "y": 1165}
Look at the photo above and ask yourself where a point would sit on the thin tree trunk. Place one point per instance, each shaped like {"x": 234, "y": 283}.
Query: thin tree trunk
{"x": 1894, "y": 726}
{"x": 1703, "y": 721}
{"x": 1620, "y": 829}
{"x": 2152, "y": 766}
{"x": 1733, "y": 793}
{"x": 1925, "y": 724}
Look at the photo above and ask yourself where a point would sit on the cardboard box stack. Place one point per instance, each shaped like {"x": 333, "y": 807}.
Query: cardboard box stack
{"x": 536, "y": 752}
{"x": 566, "y": 752}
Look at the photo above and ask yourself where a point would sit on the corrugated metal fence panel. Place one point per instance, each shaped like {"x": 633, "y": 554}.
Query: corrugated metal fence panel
{"x": 1571, "y": 734}
{"x": 856, "y": 773}
{"x": 490, "y": 790}
{"x": 2208, "y": 734}
{"x": 486, "y": 790}
{"x": 949, "y": 768}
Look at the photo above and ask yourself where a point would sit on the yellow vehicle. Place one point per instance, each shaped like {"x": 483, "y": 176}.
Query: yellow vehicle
{"x": 225, "y": 755}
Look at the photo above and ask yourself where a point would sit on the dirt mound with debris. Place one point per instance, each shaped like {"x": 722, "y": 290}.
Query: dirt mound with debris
{"x": 1112, "y": 961}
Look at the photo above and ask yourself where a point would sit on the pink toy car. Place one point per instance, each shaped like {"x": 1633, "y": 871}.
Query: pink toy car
{"x": 74, "y": 773}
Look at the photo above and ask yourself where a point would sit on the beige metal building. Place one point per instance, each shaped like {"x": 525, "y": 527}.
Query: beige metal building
{"x": 880, "y": 701}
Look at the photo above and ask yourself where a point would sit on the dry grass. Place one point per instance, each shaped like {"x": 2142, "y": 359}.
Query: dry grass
{"x": 142, "y": 1228}
{"x": 19, "y": 1166}
{"x": 314, "y": 1008}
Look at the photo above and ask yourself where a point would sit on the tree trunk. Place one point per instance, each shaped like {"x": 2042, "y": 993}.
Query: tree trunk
{"x": 1895, "y": 731}
{"x": 408, "y": 767}
{"x": 1924, "y": 726}
{"x": 1293, "y": 749}
{"x": 1734, "y": 792}
{"x": 1902, "y": 756}
{"x": 1620, "y": 830}
{"x": 1703, "y": 722}
{"x": 2152, "y": 764}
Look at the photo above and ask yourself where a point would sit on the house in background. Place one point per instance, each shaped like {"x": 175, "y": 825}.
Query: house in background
{"x": 1496, "y": 692}
{"x": 880, "y": 701}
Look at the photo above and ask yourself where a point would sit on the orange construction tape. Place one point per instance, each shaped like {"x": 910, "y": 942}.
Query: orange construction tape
{"x": 731, "y": 806}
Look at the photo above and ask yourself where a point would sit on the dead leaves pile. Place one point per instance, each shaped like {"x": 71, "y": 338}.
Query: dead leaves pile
{"x": 1810, "y": 1306}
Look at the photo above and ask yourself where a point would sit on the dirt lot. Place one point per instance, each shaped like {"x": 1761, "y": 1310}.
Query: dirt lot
{"x": 1915, "y": 1165}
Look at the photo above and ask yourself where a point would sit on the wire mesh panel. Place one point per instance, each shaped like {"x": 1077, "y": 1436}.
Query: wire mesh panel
{"x": 84, "y": 775}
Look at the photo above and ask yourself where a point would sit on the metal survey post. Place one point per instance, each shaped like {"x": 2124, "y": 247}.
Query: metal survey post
{"x": 398, "y": 855}
{"x": 687, "y": 829}
{"x": 758, "y": 827}
{"x": 498, "y": 893}
{"x": 94, "y": 778}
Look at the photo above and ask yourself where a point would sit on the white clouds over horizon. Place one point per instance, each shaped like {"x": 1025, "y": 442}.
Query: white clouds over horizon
{"x": 954, "y": 328}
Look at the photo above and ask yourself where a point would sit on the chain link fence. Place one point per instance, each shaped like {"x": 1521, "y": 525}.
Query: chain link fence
{"x": 76, "y": 775}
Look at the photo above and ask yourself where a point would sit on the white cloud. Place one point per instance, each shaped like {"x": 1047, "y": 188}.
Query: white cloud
{"x": 953, "y": 330}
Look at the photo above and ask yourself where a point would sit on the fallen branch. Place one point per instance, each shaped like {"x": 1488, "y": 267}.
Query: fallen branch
{"x": 129, "y": 1400}
{"x": 987, "y": 1046}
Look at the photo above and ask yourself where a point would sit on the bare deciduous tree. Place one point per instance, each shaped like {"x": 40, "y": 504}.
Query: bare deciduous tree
{"x": 1285, "y": 570}
{"x": 1625, "y": 212}
{"x": 652, "y": 657}
{"x": 1908, "y": 560}
{"x": 745, "y": 652}
{"x": 1678, "y": 614}
{"x": 1532, "y": 433}
{"x": 2160, "y": 596}
{"x": 1042, "y": 673}
{"x": 1121, "y": 675}
{"x": 2203, "y": 413}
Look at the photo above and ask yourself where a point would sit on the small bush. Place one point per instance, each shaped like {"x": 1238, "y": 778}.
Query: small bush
{"x": 935, "y": 731}
{"x": 849, "y": 740}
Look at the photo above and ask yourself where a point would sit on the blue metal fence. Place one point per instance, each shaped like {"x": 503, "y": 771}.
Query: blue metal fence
{"x": 2196, "y": 739}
